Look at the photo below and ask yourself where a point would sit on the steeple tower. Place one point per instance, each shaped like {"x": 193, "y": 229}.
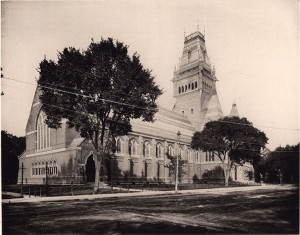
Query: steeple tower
{"x": 194, "y": 83}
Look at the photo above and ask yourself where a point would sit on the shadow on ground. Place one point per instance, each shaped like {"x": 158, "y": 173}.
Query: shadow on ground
{"x": 261, "y": 211}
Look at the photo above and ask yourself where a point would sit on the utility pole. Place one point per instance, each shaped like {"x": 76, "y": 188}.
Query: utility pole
{"x": 111, "y": 173}
{"x": 176, "y": 177}
{"x": 46, "y": 179}
{"x": 22, "y": 175}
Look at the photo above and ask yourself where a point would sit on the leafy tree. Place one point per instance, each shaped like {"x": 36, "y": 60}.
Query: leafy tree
{"x": 195, "y": 179}
{"x": 234, "y": 140}
{"x": 98, "y": 91}
{"x": 282, "y": 165}
{"x": 172, "y": 164}
{"x": 12, "y": 148}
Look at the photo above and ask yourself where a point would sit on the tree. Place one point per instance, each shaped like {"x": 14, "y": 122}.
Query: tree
{"x": 234, "y": 140}
{"x": 98, "y": 91}
{"x": 12, "y": 148}
{"x": 172, "y": 164}
{"x": 281, "y": 165}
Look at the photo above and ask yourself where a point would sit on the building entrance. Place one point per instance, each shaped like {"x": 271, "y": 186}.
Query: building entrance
{"x": 90, "y": 169}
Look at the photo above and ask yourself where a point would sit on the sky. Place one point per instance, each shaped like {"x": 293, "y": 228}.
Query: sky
{"x": 253, "y": 44}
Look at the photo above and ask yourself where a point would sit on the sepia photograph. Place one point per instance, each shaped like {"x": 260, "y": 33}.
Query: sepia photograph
{"x": 150, "y": 117}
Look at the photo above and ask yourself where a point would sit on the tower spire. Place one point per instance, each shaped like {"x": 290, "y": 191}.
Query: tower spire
{"x": 234, "y": 112}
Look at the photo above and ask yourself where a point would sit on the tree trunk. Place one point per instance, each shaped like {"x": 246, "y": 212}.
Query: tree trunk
{"x": 226, "y": 174}
{"x": 226, "y": 168}
{"x": 97, "y": 170}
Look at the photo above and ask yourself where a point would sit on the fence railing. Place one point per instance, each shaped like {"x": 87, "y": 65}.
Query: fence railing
{"x": 117, "y": 187}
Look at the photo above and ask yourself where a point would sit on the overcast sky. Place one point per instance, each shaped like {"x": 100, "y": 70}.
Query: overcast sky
{"x": 253, "y": 44}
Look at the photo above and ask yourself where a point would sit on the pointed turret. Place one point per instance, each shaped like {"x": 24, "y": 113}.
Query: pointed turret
{"x": 234, "y": 112}
{"x": 214, "y": 111}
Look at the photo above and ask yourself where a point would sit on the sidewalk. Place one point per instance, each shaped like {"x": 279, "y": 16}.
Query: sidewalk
{"x": 27, "y": 199}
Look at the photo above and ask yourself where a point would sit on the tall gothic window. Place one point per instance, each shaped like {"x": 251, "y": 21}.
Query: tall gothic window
{"x": 119, "y": 147}
{"x": 159, "y": 150}
{"x": 133, "y": 147}
{"x": 179, "y": 151}
{"x": 147, "y": 148}
{"x": 170, "y": 150}
{"x": 189, "y": 153}
{"x": 43, "y": 132}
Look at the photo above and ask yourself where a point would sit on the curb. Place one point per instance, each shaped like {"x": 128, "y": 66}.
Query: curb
{"x": 136, "y": 194}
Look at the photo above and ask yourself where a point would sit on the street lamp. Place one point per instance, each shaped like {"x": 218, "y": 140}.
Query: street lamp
{"x": 176, "y": 177}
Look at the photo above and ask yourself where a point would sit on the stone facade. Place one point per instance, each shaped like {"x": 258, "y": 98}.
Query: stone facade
{"x": 142, "y": 153}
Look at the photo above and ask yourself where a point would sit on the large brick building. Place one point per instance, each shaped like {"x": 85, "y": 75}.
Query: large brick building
{"x": 142, "y": 152}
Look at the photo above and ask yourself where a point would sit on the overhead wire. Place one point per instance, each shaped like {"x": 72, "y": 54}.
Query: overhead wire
{"x": 85, "y": 96}
{"x": 83, "y": 113}
{"x": 134, "y": 106}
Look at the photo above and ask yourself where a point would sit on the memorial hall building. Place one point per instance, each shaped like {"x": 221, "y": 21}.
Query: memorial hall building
{"x": 141, "y": 153}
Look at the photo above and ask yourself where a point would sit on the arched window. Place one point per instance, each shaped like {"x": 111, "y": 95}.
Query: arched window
{"x": 196, "y": 85}
{"x": 192, "y": 86}
{"x": 189, "y": 86}
{"x": 159, "y": 151}
{"x": 147, "y": 148}
{"x": 185, "y": 87}
{"x": 189, "y": 153}
{"x": 33, "y": 169}
{"x": 179, "y": 152}
{"x": 54, "y": 167}
{"x": 189, "y": 54}
{"x": 179, "y": 90}
{"x": 198, "y": 156}
{"x": 43, "y": 132}
{"x": 182, "y": 89}
{"x": 119, "y": 146}
{"x": 170, "y": 150}
{"x": 132, "y": 147}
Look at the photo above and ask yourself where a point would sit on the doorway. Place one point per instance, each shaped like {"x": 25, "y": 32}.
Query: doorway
{"x": 90, "y": 169}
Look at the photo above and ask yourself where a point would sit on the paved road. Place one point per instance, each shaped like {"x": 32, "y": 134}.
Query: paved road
{"x": 265, "y": 210}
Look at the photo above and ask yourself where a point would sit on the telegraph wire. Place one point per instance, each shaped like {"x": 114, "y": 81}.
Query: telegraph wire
{"x": 85, "y": 96}
{"x": 250, "y": 149}
{"x": 134, "y": 106}
{"x": 244, "y": 124}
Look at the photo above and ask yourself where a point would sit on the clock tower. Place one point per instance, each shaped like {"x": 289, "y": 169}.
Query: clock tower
{"x": 194, "y": 83}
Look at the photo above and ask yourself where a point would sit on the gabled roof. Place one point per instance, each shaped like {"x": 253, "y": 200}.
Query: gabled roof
{"x": 31, "y": 122}
{"x": 77, "y": 141}
{"x": 165, "y": 126}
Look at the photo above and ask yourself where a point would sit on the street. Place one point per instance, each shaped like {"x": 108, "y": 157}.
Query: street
{"x": 249, "y": 212}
